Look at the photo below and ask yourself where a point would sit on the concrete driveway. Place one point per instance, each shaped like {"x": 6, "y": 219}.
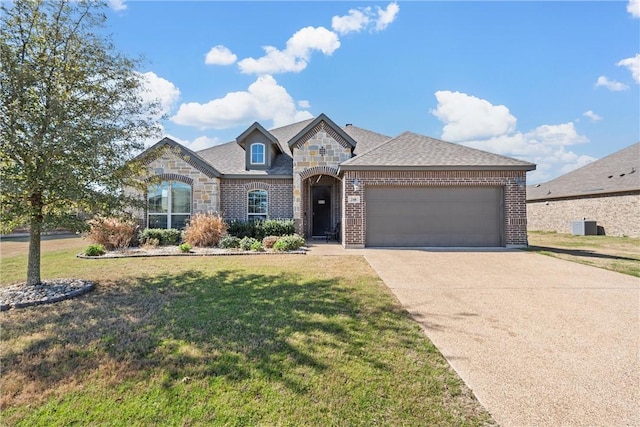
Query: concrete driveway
{"x": 540, "y": 341}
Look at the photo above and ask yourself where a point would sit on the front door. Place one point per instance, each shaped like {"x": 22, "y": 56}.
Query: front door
{"x": 321, "y": 209}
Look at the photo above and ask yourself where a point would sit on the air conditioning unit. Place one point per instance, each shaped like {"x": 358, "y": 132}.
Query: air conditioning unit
{"x": 584, "y": 228}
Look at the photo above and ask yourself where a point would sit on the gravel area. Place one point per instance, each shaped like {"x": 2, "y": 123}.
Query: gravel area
{"x": 49, "y": 291}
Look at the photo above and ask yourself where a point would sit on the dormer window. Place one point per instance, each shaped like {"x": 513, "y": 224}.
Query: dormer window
{"x": 257, "y": 154}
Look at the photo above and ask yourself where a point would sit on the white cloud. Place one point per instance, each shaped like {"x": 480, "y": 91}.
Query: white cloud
{"x": 633, "y": 64}
{"x": 355, "y": 21}
{"x": 477, "y": 123}
{"x": 296, "y": 55}
{"x": 387, "y": 16}
{"x": 117, "y": 5}
{"x": 303, "y": 103}
{"x": 359, "y": 19}
{"x": 611, "y": 84}
{"x": 160, "y": 90}
{"x": 265, "y": 99}
{"x": 593, "y": 116}
{"x": 467, "y": 117}
{"x": 220, "y": 55}
{"x": 633, "y": 7}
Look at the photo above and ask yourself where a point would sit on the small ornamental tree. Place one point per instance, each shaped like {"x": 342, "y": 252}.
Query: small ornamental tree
{"x": 72, "y": 117}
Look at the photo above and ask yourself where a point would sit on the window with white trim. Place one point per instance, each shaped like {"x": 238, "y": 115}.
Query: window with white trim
{"x": 257, "y": 205}
{"x": 257, "y": 154}
{"x": 169, "y": 205}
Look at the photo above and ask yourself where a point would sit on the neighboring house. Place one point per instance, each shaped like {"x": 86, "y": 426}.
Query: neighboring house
{"x": 410, "y": 190}
{"x": 606, "y": 191}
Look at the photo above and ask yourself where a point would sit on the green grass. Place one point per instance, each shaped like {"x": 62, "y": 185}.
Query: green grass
{"x": 620, "y": 254}
{"x": 261, "y": 340}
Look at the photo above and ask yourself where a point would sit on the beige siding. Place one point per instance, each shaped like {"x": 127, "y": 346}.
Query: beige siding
{"x": 618, "y": 215}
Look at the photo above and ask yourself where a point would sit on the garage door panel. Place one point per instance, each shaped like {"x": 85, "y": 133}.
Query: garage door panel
{"x": 419, "y": 216}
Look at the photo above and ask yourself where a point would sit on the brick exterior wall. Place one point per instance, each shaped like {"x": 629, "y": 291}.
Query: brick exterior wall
{"x": 616, "y": 213}
{"x": 515, "y": 211}
{"x": 322, "y": 152}
{"x": 205, "y": 191}
{"x": 234, "y": 197}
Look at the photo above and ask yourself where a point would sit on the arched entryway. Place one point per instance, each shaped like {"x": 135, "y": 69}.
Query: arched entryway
{"x": 321, "y": 202}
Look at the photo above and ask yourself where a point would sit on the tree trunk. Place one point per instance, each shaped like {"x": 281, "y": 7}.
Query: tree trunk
{"x": 33, "y": 267}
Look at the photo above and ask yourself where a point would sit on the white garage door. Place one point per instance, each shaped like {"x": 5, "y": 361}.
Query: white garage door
{"x": 441, "y": 216}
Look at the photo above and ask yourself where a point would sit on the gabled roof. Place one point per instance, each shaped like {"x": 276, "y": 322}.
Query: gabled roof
{"x": 331, "y": 128}
{"x": 229, "y": 159}
{"x": 413, "y": 151}
{"x": 257, "y": 127}
{"x": 616, "y": 173}
{"x": 187, "y": 155}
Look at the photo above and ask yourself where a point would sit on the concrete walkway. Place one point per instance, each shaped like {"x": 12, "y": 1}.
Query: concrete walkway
{"x": 540, "y": 341}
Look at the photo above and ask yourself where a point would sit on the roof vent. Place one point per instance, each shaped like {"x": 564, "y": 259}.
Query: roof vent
{"x": 622, "y": 174}
{"x": 348, "y": 124}
{"x": 610, "y": 176}
{"x": 633, "y": 170}
{"x": 537, "y": 185}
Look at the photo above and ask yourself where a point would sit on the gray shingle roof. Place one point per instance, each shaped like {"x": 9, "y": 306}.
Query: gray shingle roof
{"x": 410, "y": 150}
{"x": 618, "y": 172}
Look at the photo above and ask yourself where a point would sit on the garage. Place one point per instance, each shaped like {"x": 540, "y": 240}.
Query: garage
{"x": 434, "y": 216}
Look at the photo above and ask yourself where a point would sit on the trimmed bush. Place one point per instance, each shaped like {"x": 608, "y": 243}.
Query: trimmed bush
{"x": 246, "y": 243}
{"x": 112, "y": 233}
{"x": 269, "y": 241}
{"x": 204, "y": 230}
{"x": 274, "y": 227}
{"x": 241, "y": 229}
{"x": 95, "y": 250}
{"x": 165, "y": 237}
{"x": 229, "y": 242}
{"x": 261, "y": 229}
{"x": 289, "y": 243}
{"x": 257, "y": 246}
{"x": 185, "y": 248}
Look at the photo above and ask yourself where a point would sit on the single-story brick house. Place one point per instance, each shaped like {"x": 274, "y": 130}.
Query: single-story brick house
{"x": 410, "y": 190}
{"x": 606, "y": 191}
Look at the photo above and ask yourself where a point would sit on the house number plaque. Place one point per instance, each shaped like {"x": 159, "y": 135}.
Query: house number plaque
{"x": 353, "y": 199}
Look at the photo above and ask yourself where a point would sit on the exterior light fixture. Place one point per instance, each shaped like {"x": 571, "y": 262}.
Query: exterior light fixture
{"x": 356, "y": 184}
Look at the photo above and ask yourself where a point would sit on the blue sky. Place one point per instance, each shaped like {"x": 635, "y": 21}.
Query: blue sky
{"x": 555, "y": 83}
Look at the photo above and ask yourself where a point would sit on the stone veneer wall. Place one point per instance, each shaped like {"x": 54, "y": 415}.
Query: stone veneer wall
{"x": 319, "y": 151}
{"x": 515, "y": 211}
{"x": 205, "y": 196}
{"x": 616, "y": 213}
{"x": 234, "y": 197}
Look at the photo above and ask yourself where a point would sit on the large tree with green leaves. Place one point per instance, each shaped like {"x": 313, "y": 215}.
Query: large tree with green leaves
{"x": 72, "y": 116}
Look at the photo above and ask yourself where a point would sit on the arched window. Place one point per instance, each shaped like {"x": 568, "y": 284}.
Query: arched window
{"x": 169, "y": 205}
{"x": 257, "y": 154}
{"x": 257, "y": 205}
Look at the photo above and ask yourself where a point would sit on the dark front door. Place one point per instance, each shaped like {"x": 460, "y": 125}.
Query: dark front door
{"x": 321, "y": 209}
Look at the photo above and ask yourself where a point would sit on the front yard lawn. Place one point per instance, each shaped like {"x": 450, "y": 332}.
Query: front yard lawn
{"x": 260, "y": 340}
{"x": 621, "y": 254}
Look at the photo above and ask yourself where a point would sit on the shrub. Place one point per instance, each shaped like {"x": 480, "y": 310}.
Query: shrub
{"x": 229, "y": 242}
{"x": 165, "y": 237}
{"x": 95, "y": 250}
{"x": 185, "y": 247}
{"x": 246, "y": 243}
{"x": 274, "y": 227}
{"x": 204, "y": 230}
{"x": 289, "y": 243}
{"x": 241, "y": 229}
{"x": 257, "y": 246}
{"x": 269, "y": 241}
{"x": 112, "y": 233}
{"x": 261, "y": 229}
